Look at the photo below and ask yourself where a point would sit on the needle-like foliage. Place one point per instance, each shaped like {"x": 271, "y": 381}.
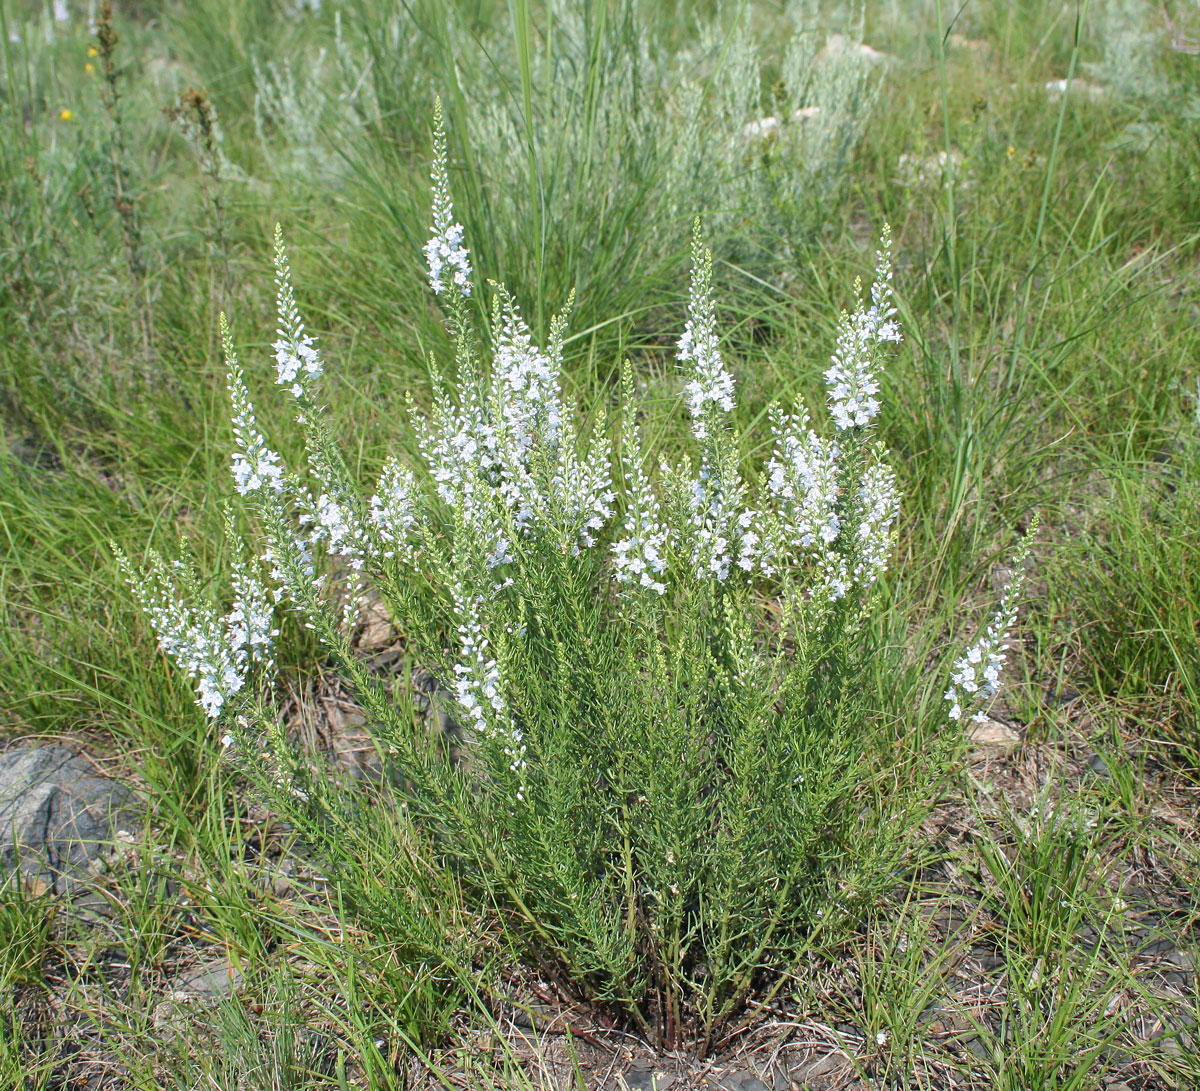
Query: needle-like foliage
{"x": 663, "y": 688}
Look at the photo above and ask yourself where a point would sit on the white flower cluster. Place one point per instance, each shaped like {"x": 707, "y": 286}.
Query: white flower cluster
{"x": 336, "y": 518}
{"x": 817, "y": 508}
{"x": 216, "y": 650}
{"x": 460, "y": 447}
{"x": 336, "y": 524}
{"x": 255, "y": 465}
{"x": 851, "y": 378}
{"x": 478, "y": 686}
{"x": 526, "y": 381}
{"x": 444, "y": 252}
{"x": 507, "y": 454}
{"x": 722, "y": 532}
{"x": 641, "y": 555}
{"x": 296, "y": 361}
{"x": 711, "y": 384}
{"x": 393, "y": 511}
{"x": 878, "y": 509}
{"x": 802, "y": 479}
{"x": 721, "y": 529}
{"x": 976, "y": 676}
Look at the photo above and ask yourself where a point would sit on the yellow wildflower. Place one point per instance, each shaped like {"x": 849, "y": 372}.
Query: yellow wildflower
{"x": 89, "y": 68}
{"x": 1011, "y": 151}
{"x": 65, "y": 115}
{"x": 93, "y": 51}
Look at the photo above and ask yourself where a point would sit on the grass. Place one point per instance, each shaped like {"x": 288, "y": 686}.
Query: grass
{"x": 1047, "y": 284}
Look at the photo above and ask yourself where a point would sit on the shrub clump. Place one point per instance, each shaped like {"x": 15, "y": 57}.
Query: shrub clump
{"x": 666, "y": 784}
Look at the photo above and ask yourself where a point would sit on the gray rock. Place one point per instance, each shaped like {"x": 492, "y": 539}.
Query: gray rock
{"x": 991, "y": 735}
{"x": 207, "y": 982}
{"x": 643, "y": 1077}
{"x": 57, "y": 814}
{"x": 741, "y": 1081}
{"x": 1056, "y": 695}
{"x": 203, "y": 986}
{"x": 817, "y": 1071}
{"x": 34, "y": 453}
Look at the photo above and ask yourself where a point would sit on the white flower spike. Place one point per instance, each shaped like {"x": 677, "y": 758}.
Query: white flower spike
{"x": 297, "y": 364}
{"x": 448, "y": 260}
{"x": 851, "y": 379}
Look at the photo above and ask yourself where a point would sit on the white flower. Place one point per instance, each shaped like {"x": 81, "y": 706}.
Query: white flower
{"x": 444, "y": 252}
{"x": 545, "y": 480}
{"x": 479, "y": 688}
{"x": 501, "y": 552}
{"x": 216, "y": 651}
{"x": 461, "y": 449}
{"x": 976, "y": 676}
{"x": 526, "y": 382}
{"x": 802, "y": 480}
{"x": 581, "y": 488}
{"x": 297, "y": 364}
{"x": 878, "y": 509}
{"x": 392, "y": 508}
{"x": 338, "y": 524}
{"x": 509, "y": 451}
{"x": 711, "y": 384}
{"x": 255, "y": 466}
{"x": 718, "y": 530}
{"x": 851, "y": 379}
{"x": 250, "y": 623}
{"x": 717, "y": 523}
{"x": 835, "y": 578}
{"x": 640, "y": 556}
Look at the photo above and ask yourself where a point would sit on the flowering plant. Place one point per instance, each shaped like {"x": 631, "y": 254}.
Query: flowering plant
{"x": 662, "y": 677}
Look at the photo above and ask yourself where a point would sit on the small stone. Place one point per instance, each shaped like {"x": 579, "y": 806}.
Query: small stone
{"x": 1182, "y": 959}
{"x": 841, "y": 46}
{"x": 92, "y": 909}
{"x": 1056, "y": 695}
{"x": 208, "y": 982}
{"x": 816, "y": 1067}
{"x": 34, "y": 453}
{"x": 928, "y": 171}
{"x": 993, "y": 735}
{"x": 164, "y": 1018}
{"x": 645, "y": 1078}
{"x": 1157, "y": 948}
{"x": 742, "y": 1081}
{"x": 376, "y": 631}
{"x": 978, "y": 1047}
{"x": 761, "y": 129}
{"x": 975, "y": 45}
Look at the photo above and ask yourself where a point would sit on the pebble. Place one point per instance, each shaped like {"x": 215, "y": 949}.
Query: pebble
{"x": 994, "y": 735}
